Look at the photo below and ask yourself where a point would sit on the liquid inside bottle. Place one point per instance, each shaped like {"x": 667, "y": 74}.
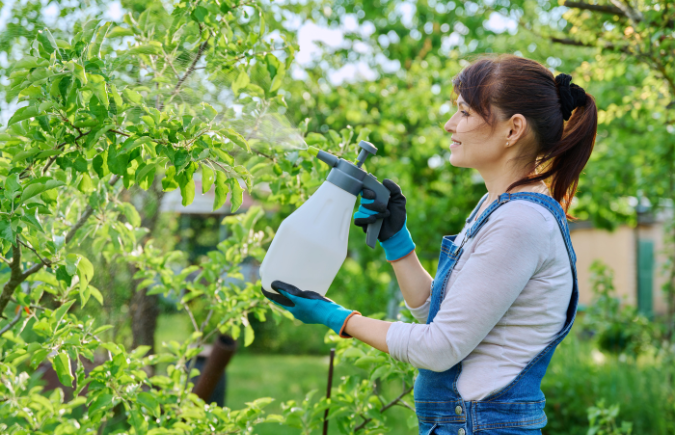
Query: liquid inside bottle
{"x": 311, "y": 244}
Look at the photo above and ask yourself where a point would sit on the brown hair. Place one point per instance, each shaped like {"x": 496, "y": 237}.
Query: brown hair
{"x": 514, "y": 85}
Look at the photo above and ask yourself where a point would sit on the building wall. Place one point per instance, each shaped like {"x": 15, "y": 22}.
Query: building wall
{"x": 618, "y": 250}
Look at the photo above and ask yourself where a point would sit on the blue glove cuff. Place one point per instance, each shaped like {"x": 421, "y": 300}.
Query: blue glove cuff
{"x": 399, "y": 245}
{"x": 337, "y": 320}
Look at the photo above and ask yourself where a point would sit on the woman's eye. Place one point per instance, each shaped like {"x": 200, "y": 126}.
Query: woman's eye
{"x": 465, "y": 113}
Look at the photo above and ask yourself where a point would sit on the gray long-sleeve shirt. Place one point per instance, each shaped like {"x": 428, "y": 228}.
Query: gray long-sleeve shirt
{"x": 505, "y": 301}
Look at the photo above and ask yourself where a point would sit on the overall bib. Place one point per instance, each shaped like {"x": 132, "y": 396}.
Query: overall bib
{"x": 518, "y": 408}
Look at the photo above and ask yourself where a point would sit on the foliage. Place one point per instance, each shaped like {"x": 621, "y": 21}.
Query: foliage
{"x": 603, "y": 420}
{"x": 136, "y": 101}
{"x": 618, "y": 327}
{"x": 580, "y": 375}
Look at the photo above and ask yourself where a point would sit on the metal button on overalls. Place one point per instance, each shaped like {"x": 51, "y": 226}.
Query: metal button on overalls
{"x": 461, "y": 431}
{"x": 458, "y": 410}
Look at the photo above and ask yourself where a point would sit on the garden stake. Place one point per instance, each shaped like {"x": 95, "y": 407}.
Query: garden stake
{"x": 222, "y": 351}
{"x": 330, "y": 385}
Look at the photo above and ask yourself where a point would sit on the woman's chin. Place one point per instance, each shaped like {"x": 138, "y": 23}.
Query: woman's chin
{"x": 456, "y": 161}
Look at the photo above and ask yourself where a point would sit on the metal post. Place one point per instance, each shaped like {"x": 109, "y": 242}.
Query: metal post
{"x": 330, "y": 385}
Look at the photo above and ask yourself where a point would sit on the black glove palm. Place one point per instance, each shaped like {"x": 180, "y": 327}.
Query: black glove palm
{"x": 393, "y": 213}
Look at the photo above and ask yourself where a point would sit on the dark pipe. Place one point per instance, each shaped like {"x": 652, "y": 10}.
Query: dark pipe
{"x": 330, "y": 385}
{"x": 221, "y": 353}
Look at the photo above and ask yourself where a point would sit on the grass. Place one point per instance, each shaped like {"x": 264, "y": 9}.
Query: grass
{"x": 290, "y": 377}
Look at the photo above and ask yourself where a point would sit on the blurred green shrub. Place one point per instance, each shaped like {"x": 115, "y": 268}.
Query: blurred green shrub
{"x": 602, "y": 420}
{"x": 617, "y": 327}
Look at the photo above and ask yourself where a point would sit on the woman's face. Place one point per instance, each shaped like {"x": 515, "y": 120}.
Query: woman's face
{"x": 478, "y": 147}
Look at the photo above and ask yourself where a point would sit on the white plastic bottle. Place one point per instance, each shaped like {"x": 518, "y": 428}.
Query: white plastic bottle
{"x": 311, "y": 244}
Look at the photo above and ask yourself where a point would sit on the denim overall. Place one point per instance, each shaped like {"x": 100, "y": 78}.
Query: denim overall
{"x": 517, "y": 408}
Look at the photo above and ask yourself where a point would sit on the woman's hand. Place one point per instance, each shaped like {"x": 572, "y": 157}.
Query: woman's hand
{"x": 394, "y": 236}
{"x": 310, "y": 307}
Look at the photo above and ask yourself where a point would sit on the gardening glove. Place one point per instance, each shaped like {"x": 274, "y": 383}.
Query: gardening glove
{"x": 394, "y": 236}
{"x": 310, "y": 307}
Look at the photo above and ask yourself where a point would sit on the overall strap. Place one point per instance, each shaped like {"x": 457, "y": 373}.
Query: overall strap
{"x": 539, "y": 198}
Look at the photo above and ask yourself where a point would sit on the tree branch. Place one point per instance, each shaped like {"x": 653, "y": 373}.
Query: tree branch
{"x": 595, "y": 8}
{"x": 190, "y": 70}
{"x": 59, "y": 146}
{"x": 16, "y": 277}
{"x": 14, "y": 321}
{"x": 42, "y": 260}
{"x": 385, "y": 407}
{"x": 87, "y": 213}
{"x": 632, "y": 14}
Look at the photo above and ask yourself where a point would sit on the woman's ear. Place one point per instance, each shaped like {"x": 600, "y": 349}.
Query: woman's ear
{"x": 517, "y": 129}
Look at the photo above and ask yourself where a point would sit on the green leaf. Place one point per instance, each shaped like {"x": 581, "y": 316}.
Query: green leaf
{"x": 103, "y": 401}
{"x": 237, "y": 197}
{"x": 99, "y": 164}
{"x": 187, "y": 191}
{"x": 132, "y": 95}
{"x": 116, "y": 95}
{"x": 102, "y": 328}
{"x": 236, "y": 138}
{"x": 79, "y": 73}
{"x": 207, "y": 178}
{"x": 97, "y": 86}
{"x": 200, "y": 13}
{"x": 248, "y": 335}
{"x": 84, "y": 295}
{"x": 37, "y": 188}
{"x": 153, "y": 47}
{"x": 130, "y": 213}
{"x": 223, "y": 156}
{"x": 221, "y": 190}
{"x": 61, "y": 363}
{"x": 32, "y": 190}
{"x": 86, "y": 185}
{"x": 85, "y": 270}
{"x": 117, "y": 162}
{"x": 6, "y": 231}
{"x": 241, "y": 82}
{"x": 146, "y": 175}
{"x": 31, "y": 92}
{"x": 96, "y": 293}
{"x": 273, "y": 65}
{"x": 95, "y": 46}
{"x": 29, "y": 62}
{"x": 149, "y": 402}
{"x": 169, "y": 182}
{"x": 118, "y": 31}
{"x": 278, "y": 78}
{"x": 22, "y": 114}
{"x": 12, "y": 184}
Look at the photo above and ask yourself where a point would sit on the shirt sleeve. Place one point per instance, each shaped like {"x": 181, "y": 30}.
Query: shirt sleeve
{"x": 509, "y": 249}
{"x": 422, "y": 312}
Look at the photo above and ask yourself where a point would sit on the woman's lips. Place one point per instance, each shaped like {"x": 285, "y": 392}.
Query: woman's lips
{"x": 454, "y": 145}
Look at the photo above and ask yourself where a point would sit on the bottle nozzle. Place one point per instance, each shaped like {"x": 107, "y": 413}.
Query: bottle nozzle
{"x": 367, "y": 148}
{"x": 328, "y": 158}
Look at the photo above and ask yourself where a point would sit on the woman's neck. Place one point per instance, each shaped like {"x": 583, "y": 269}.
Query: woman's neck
{"x": 498, "y": 184}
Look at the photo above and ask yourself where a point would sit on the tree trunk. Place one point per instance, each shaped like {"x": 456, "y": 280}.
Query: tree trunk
{"x": 144, "y": 311}
{"x": 144, "y": 308}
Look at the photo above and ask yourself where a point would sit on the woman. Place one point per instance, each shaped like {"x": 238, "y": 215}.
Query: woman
{"x": 505, "y": 293}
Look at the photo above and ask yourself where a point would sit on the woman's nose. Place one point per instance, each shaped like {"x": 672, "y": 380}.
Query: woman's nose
{"x": 449, "y": 126}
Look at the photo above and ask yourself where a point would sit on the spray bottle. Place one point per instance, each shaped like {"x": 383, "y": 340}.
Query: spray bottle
{"x": 311, "y": 244}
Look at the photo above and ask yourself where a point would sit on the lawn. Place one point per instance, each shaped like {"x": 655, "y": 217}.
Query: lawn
{"x": 287, "y": 377}
{"x": 283, "y": 377}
